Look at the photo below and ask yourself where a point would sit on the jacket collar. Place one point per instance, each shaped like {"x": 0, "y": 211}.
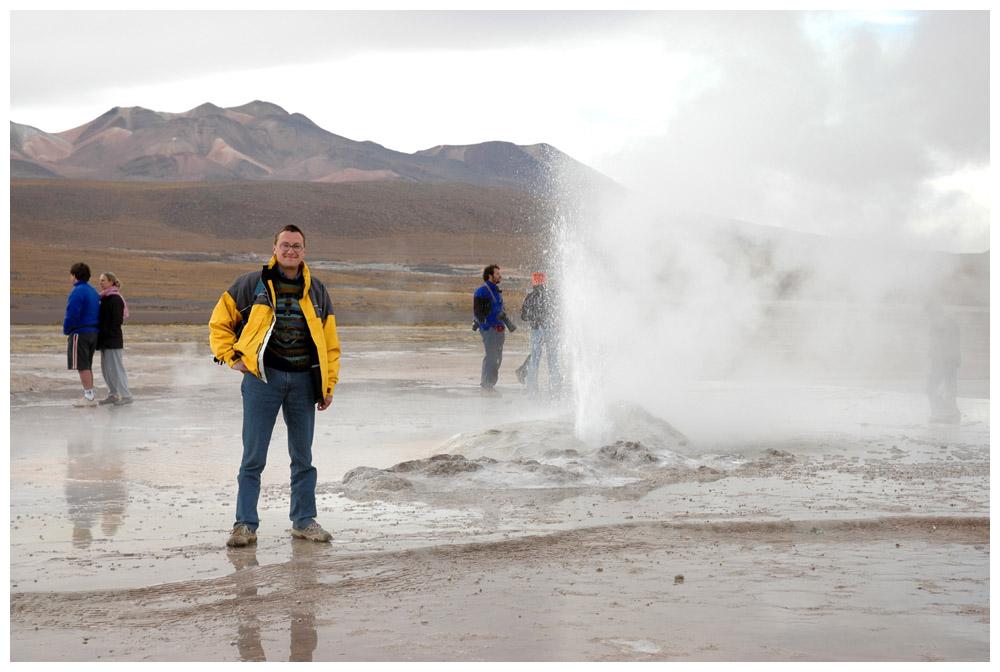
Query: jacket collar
{"x": 272, "y": 265}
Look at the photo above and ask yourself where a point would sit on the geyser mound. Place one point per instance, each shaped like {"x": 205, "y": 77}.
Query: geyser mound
{"x": 532, "y": 439}
{"x": 535, "y": 454}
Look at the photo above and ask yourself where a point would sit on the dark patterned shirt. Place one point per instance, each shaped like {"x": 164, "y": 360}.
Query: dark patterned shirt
{"x": 288, "y": 349}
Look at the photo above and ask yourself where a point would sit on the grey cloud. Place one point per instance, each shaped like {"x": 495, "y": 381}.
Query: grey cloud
{"x": 947, "y": 76}
{"x": 790, "y": 136}
{"x": 54, "y": 53}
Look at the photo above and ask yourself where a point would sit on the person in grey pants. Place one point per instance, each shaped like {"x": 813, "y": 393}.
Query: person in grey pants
{"x": 112, "y": 312}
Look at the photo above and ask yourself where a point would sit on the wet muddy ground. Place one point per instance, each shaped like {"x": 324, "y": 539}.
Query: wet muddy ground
{"x": 851, "y": 530}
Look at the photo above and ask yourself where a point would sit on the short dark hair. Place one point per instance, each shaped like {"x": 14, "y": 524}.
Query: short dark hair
{"x": 81, "y": 271}
{"x": 291, "y": 228}
{"x": 488, "y": 271}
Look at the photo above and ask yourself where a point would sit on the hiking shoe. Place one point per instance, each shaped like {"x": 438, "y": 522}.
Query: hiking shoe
{"x": 85, "y": 403}
{"x": 124, "y": 401}
{"x": 110, "y": 399}
{"x": 242, "y": 536}
{"x": 313, "y": 533}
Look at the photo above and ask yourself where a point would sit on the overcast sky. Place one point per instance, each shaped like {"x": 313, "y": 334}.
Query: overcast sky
{"x": 870, "y": 125}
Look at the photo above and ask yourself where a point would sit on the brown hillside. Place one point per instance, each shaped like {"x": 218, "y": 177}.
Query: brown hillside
{"x": 251, "y": 210}
{"x": 178, "y": 246}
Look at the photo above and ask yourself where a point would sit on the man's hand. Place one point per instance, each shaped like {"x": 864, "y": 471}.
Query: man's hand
{"x": 240, "y": 366}
{"x": 325, "y": 404}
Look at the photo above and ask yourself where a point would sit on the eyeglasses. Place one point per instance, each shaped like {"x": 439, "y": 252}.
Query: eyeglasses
{"x": 284, "y": 247}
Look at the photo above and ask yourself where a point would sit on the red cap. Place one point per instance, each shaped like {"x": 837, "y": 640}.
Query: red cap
{"x": 537, "y": 279}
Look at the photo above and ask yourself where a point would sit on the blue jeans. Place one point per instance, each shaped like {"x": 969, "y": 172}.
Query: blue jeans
{"x": 493, "y": 343}
{"x": 293, "y": 394}
{"x": 544, "y": 338}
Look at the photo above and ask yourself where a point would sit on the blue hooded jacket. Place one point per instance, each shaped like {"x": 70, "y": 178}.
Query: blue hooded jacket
{"x": 487, "y": 304}
{"x": 82, "y": 309}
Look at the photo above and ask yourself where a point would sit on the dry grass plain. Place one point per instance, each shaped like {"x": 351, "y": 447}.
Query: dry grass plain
{"x": 168, "y": 287}
{"x": 171, "y": 287}
{"x": 411, "y": 264}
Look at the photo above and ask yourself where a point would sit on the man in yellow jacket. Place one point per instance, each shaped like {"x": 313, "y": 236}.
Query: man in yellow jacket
{"x": 276, "y": 327}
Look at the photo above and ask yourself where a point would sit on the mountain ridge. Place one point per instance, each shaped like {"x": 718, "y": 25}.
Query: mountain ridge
{"x": 261, "y": 141}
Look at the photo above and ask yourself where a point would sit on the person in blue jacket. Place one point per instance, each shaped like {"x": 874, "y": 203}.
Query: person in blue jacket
{"x": 80, "y": 326}
{"x": 487, "y": 306}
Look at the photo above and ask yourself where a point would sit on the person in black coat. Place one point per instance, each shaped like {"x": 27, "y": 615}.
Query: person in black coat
{"x": 113, "y": 311}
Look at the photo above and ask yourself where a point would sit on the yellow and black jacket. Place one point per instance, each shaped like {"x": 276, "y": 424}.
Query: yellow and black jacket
{"x": 243, "y": 320}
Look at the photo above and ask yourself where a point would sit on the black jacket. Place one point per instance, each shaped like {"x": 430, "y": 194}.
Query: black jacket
{"x": 539, "y": 308}
{"x": 109, "y": 324}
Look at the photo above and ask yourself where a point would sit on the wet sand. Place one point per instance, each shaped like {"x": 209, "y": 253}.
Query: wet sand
{"x": 851, "y": 530}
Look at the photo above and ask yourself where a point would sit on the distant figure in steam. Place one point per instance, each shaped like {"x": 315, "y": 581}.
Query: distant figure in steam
{"x": 539, "y": 310}
{"x": 946, "y": 355}
{"x": 113, "y": 311}
{"x": 491, "y": 321}
{"x": 80, "y": 326}
{"x": 276, "y": 327}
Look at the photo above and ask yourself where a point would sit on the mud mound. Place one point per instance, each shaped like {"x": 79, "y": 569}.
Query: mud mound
{"x": 538, "y": 439}
{"x": 611, "y": 466}
{"x": 377, "y": 480}
{"x": 538, "y": 453}
{"x": 628, "y": 452}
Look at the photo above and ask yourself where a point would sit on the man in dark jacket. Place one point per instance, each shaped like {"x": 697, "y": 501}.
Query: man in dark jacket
{"x": 540, "y": 311}
{"x": 80, "y": 326}
{"x": 487, "y": 306}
